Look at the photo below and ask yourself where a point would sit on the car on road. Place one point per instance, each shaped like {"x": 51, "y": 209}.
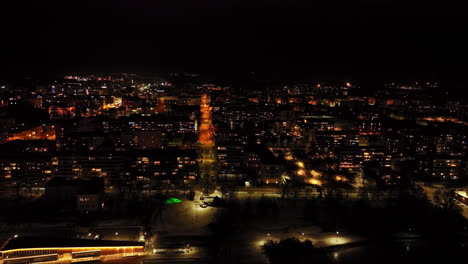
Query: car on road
{"x": 203, "y": 205}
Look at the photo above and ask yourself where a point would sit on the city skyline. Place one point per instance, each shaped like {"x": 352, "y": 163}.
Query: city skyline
{"x": 233, "y": 131}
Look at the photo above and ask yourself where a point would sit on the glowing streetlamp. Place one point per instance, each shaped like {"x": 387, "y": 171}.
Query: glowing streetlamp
{"x": 300, "y": 164}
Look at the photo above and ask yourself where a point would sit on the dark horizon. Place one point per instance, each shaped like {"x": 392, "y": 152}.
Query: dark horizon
{"x": 341, "y": 40}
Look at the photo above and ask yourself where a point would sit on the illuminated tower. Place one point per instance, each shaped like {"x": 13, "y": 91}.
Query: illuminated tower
{"x": 104, "y": 104}
{"x": 161, "y": 108}
{"x": 206, "y": 144}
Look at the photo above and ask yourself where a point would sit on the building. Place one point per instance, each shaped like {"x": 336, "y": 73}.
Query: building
{"x": 267, "y": 166}
{"x": 52, "y": 250}
{"x": 439, "y": 166}
{"x": 352, "y": 159}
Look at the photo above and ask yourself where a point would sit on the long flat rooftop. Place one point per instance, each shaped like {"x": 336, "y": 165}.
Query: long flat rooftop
{"x": 54, "y": 242}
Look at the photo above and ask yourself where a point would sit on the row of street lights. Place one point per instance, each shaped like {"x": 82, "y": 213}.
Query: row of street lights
{"x": 337, "y": 235}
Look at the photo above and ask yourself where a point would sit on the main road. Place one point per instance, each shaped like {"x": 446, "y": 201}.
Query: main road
{"x": 309, "y": 192}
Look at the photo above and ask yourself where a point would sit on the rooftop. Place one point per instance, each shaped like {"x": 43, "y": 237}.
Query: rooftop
{"x": 58, "y": 242}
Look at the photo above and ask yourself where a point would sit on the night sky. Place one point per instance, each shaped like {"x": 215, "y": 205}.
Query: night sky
{"x": 388, "y": 38}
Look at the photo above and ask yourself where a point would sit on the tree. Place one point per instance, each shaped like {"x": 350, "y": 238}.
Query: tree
{"x": 296, "y": 191}
{"x": 363, "y": 193}
{"x": 319, "y": 189}
{"x": 444, "y": 198}
{"x": 292, "y": 250}
{"x": 191, "y": 195}
{"x": 307, "y": 191}
{"x": 218, "y": 201}
{"x": 229, "y": 192}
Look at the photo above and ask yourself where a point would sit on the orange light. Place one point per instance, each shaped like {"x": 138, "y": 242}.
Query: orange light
{"x": 315, "y": 173}
{"x": 301, "y": 172}
{"x": 314, "y": 181}
{"x": 206, "y": 132}
{"x": 75, "y": 249}
{"x": 340, "y": 178}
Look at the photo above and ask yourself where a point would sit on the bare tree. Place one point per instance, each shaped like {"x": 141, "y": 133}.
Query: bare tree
{"x": 229, "y": 192}
{"x": 444, "y": 198}
{"x": 306, "y": 191}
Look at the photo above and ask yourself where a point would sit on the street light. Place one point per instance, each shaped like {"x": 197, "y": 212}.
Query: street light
{"x": 116, "y": 233}
{"x": 15, "y": 236}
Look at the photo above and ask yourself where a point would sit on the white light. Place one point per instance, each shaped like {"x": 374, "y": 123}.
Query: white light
{"x": 116, "y": 233}
{"x": 335, "y": 255}
{"x": 15, "y": 236}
